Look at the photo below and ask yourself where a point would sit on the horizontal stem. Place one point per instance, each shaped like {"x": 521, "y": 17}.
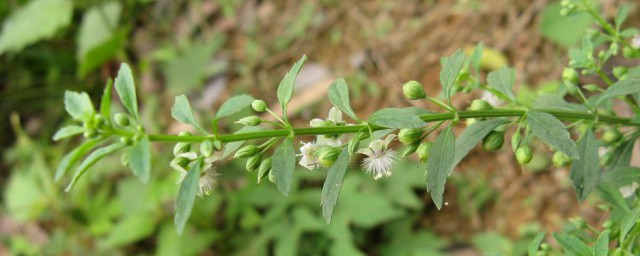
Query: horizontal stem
{"x": 431, "y": 117}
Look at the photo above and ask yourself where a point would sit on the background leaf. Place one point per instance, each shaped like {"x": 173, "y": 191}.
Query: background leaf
{"x": 396, "y": 118}
{"x": 283, "y": 164}
{"x": 91, "y": 160}
{"x": 285, "y": 89}
{"x": 126, "y": 89}
{"x": 572, "y": 244}
{"x": 503, "y": 80}
{"x": 181, "y": 111}
{"x": 187, "y": 196}
{"x": 472, "y": 136}
{"x": 333, "y": 183}
{"x": 98, "y": 26}
{"x": 450, "y": 72}
{"x": 550, "y": 130}
{"x": 584, "y": 171}
{"x": 339, "y": 97}
{"x": 234, "y": 105}
{"x": 78, "y": 105}
{"x": 564, "y": 30}
{"x": 439, "y": 165}
{"x": 140, "y": 161}
{"x": 622, "y": 176}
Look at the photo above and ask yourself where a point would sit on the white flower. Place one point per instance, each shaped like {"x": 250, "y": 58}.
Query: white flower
{"x": 380, "y": 159}
{"x": 208, "y": 174}
{"x": 491, "y": 98}
{"x": 629, "y": 190}
{"x": 309, "y": 158}
{"x": 635, "y": 42}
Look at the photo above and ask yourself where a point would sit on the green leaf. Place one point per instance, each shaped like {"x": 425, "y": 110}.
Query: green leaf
{"x": 621, "y": 15}
{"x": 584, "y": 171}
{"x": 601, "y": 247}
{"x": 130, "y": 229}
{"x": 622, "y": 176}
{"x": 620, "y": 88}
{"x": 611, "y": 194}
{"x": 91, "y": 160}
{"x": 67, "y": 131}
{"x": 628, "y": 222}
{"x": 550, "y": 130}
{"x": 98, "y": 26}
{"x": 472, "y": 136}
{"x": 126, "y": 89}
{"x": 339, "y": 97}
{"x": 105, "y": 103}
{"x": 450, "y": 72}
{"x": 396, "y": 118}
{"x": 283, "y": 164}
{"x": 285, "y": 89}
{"x": 622, "y": 153}
{"x": 140, "y": 159}
{"x": 181, "y": 111}
{"x": 564, "y": 30}
{"x": 78, "y": 105}
{"x": 333, "y": 183}
{"x": 439, "y": 165}
{"x": 187, "y": 196}
{"x": 72, "y": 157}
{"x": 34, "y": 21}
{"x": 572, "y": 244}
{"x": 231, "y": 147}
{"x": 186, "y": 70}
{"x": 535, "y": 244}
{"x": 476, "y": 56}
{"x": 502, "y": 80}
{"x": 234, "y": 105}
{"x": 105, "y": 51}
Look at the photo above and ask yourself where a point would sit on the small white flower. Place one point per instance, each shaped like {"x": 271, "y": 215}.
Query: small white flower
{"x": 492, "y": 99}
{"x": 380, "y": 159}
{"x": 309, "y": 158}
{"x": 208, "y": 174}
{"x": 635, "y": 42}
{"x": 629, "y": 190}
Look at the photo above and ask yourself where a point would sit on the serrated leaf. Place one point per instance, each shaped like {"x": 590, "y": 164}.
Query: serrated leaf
{"x": 476, "y": 56}
{"x": 333, "y": 183}
{"x": 126, "y": 89}
{"x": 283, "y": 164}
{"x": 187, "y": 196}
{"x": 620, "y": 88}
{"x": 502, "y": 80}
{"x": 105, "y": 103}
{"x": 72, "y": 157}
{"x": 91, "y": 160}
{"x": 472, "y": 136}
{"x": 439, "y": 165}
{"x": 78, "y": 105}
{"x": 181, "y": 111}
{"x": 67, "y": 131}
{"x": 230, "y": 147}
{"x": 572, "y": 244}
{"x": 584, "y": 171}
{"x": 285, "y": 89}
{"x": 550, "y": 130}
{"x": 140, "y": 159}
{"x": 396, "y": 118}
{"x": 601, "y": 247}
{"x": 628, "y": 222}
{"x": 450, "y": 72}
{"x": 339, "y": 97}
{"x": 612, "y": 195}
{"x": 234, "y": 105}
{"x": 535, "y": 244}
{"x": 34, "y": 21}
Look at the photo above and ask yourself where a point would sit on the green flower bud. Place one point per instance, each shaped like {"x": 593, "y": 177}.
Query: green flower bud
{"x": 98, "y": 120}
{"x": 408, "y": 136}
{"x": 126, "y": 140}
{"x": 493, "y": 141}
{"x": 137, "y": 137}
{"x": 620, "y": 72}
{"x": 253, "y": 163}
{"x": 479, "y": 104}
{"x": 545, "y": 247}
{"x": 423, "y": 151}
{"x": 181, "y": 147}
{"x": 413, "y": 90}
{"x": 591, "y": 87}
{"x": 607, "y": 224}
{"x": 90, "y": 133}
{"x": 88, "y": 125}
{"x": 559, "y": 159}
{"x": 246, "y": 151}
{"x": 471, "y": 121}
{"x": 570, "y": 75}
{"x": 578, "y": 222}
{"x": 611, "y": 136}
{"x": 327, "y": 155}
{"x": 259, "y": 105}
{"x": 524, "y": 154}
{"x": 121, "y": 119}
{"x": 206, "y": 148}
{"x": 515, "y": 141}
{"x": 217, "y": 145}
{"x": 264, "y": 169}
{"x": 272, "y": 177}
{"x": 250, "y": 121}
{"x": 184, "y": 133}
{"x": 409, "y": 149}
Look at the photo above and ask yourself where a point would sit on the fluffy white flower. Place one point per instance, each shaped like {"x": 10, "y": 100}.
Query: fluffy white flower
{"x": 208, "y": 174}
{"x": 309, "y": 158}
{"x": 380, "y": 159}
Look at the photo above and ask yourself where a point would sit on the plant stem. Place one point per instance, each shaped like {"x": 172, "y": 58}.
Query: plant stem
{"x": 431, "y": 117}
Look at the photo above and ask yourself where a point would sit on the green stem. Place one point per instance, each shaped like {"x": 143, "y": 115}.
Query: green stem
{"x": 604, "y": 24}
{"x": 431, "y": 117}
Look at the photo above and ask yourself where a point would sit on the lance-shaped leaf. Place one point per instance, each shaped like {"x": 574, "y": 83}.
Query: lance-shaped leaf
{"x": 502, "y": 80}
{"x": 611, "y": 194}
{"x": 629, "y": 220}
{"x": 234, "y": 105}
{"x": 187, "y": 196}
{"x": 535, "y": 244}
{"x": 91, "y": 160}
{"x": 601, "y": 247}
{"x": 285, "y": 89}
{"x": 622, "y": 176}
{"x": 181, "y": 111}
{"x": 126, "y": 89}
{"x": 396, "y": 118}
{"x": 439, "y": 165}
{"x": 333, "y": 183}
{"x": 472, "y": 136}
{"x": 78, "y": 105}
{"x": 140, "y": 159}
{"x": 67, "y": 131}
{"x": 620, "y": 88}
{"x": 105, "y": 103}
{"x": 572, "y": 244}
{"x": 72, "y": 157}
{"x": 476, "y": 56}
{"x": 550, "y": 130}
{"x": 450, "y": 72}
{"x": 584, "y": 171}
{"x": 339, "y": 97}
{"x": 283, "y": 164}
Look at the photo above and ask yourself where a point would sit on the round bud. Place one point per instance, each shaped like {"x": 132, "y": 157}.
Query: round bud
{"x": 259, "y": 105}
{"x": 423, "y": 151}
{"x": 181, "y": 147}
{"x": 206, "y": 148}
{"x": 408, "y": 149}
{"x": 524, "y": 154}
{"x": 253, "y": 163}
{"x": 121, "y": 119}
{"x": 545, "y": 247}
{"x": 408, "y": 136}
{"x": 570, "y": 75}
{"x": 591, "y": 87}
{"x": 250, "y": 121}
{"x": 515, "y": 141}
{"x": 246, "y": 151}
{"x": 493, "y": 141}
{"x": 98, "y": 119}
{"x": 480, "y": 104}
{"x": 413, "y": 90}
{"x": 126, "y": 140}
{"x": 217, "y": 145}
{"x": 137, "y": 137}
{"x": 611, "y": 136}
{"x": 264, "y": 169}
{"x": 327, "y": 155}
{"x": 607, "y": 224}
{"x": 559, "y": 159}
{"x": 90, "y": 133}
{"x": 184, "y": 133}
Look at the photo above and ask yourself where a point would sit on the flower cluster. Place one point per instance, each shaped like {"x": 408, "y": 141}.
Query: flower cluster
{"x": 185, "y": 159}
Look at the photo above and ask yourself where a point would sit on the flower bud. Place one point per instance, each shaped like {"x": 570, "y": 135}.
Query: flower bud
{"x": 423, "y": 151}
{"x": 493, "y": 141}
{"x": 327, "y": 155}
{"x": 413, "y": 90}
{"x": 559, "y": 159}
{"x": 90, "y": 133}
{"x": 591, "y": 87}
{"x": 524, "y": 154}
{"x": 515, "y": 141}
{"x": 611, "y": 136}
{"x": 206, "y": 148}
{"x": 250, "y": 121}
{"x": 126, "y": 141}
{"x": 98, "y": 120}
{"x": 137, "y": 137}
{"x": 272, "y": 177}
{"x": 545, "y": 247}
{"x": 181, "y": 147}
{"x": 246, "y": 151}
{"x": 480, "y": 104}
{"x": 408, "y": 136}
{"x": 217, "y": 145}
{"x": 409, "y": 149}
{"x": 264, "y": 169}
{"x": 253, "y": 163}
{"x": 570, "y": 75}
{"x": 607, "y": 224}
{"x": 121, "y": 119}
{"x": 259, "y": 105}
